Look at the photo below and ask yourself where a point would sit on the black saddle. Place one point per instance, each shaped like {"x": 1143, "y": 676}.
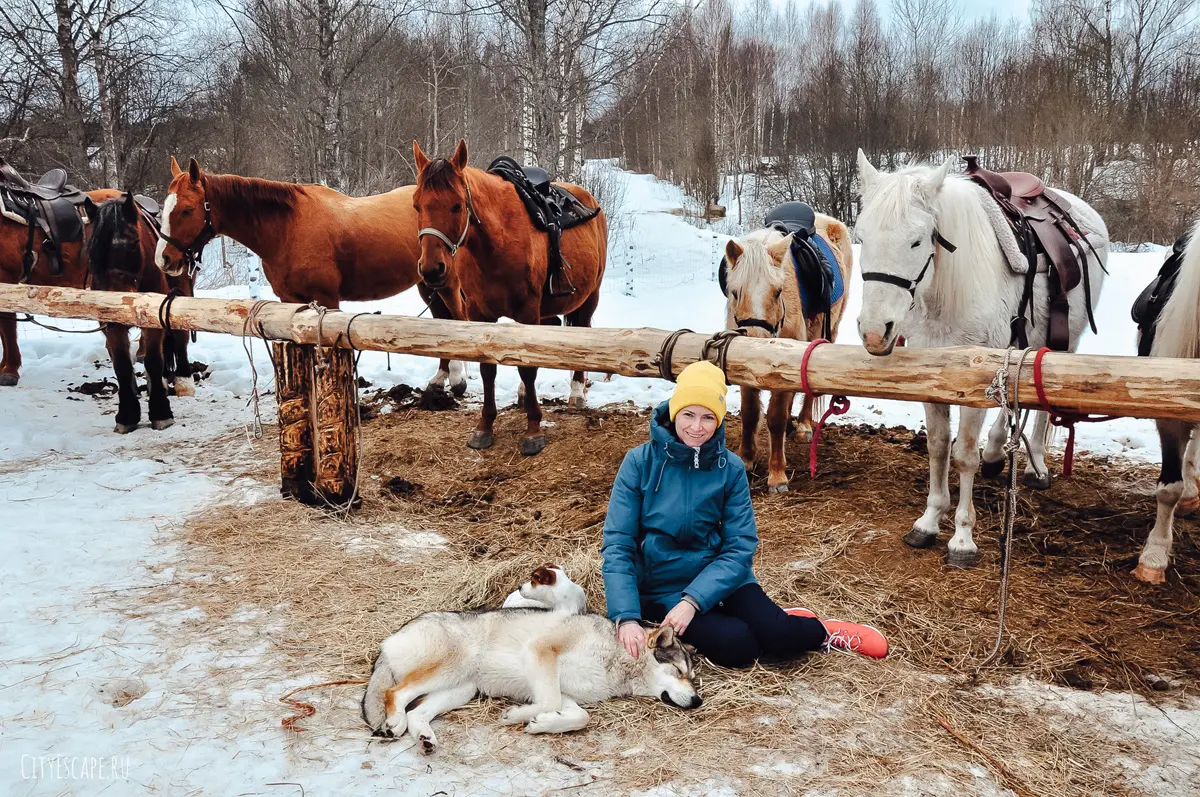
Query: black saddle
{"x": 552, "y": 209}
{"x": 1150, "y": 302}
{"x": 793, "y": 218}
{"x": 49, "y": 204}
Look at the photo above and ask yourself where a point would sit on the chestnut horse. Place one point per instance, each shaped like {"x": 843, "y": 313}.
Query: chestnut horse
{"x": 315, "y": 244}
{"x": 500, "y": 264}
{"x": 120, "y": 257}
{"x": 763, "y": 296}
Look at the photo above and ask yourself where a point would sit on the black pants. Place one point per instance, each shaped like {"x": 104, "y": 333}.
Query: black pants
{"x": 745, "y": 626}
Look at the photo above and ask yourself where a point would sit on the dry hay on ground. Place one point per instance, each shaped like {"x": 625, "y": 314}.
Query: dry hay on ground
{"x": 446, "y": 527}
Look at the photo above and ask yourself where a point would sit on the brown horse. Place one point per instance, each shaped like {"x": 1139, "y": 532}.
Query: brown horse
{"x": 763, "y": 296}
{"x": 486, "y": 244}
{"x": 315, "y": 244}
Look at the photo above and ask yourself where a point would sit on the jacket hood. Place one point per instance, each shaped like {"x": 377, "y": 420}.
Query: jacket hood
{"x": 663, "y": 436}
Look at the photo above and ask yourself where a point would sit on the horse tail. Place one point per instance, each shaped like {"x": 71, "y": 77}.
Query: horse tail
{"x": 1177, "y": 331}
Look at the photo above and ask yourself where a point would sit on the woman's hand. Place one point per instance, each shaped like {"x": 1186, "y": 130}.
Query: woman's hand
{"x": 633, "y": 637}
{"x": 680, "y": 617}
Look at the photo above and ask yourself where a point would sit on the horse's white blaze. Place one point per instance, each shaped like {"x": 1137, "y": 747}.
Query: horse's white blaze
{"x": 756, "y": 277}
{"x": 165, "y": 217}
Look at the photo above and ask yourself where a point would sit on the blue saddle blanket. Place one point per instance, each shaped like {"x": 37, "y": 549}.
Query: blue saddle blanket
{"x": 811, "y": 289}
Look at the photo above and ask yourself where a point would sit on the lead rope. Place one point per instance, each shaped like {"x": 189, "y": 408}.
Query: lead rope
{"x": 255, "y": 432}
{"x": 998, "y": 392}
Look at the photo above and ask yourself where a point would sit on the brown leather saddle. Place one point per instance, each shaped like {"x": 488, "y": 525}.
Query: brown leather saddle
{"x": 50, "y": 205}
{"x": 1042, "y": 226}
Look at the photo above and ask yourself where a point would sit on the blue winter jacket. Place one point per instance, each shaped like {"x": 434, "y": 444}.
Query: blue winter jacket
{"x": 679, "y": 522}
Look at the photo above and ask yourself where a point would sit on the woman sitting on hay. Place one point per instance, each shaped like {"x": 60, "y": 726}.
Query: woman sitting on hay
{"x": 680, "y": 537}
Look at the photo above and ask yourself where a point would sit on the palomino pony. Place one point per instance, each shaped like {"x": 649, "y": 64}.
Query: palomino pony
{"x": 315, "y": 244}
{"x": 121, "y": 258}
{"x": 1176, "y": 334}
{"x": 504, "y": 272}
{"x": 763, "y": 297}
{"x": 916, "y": 287}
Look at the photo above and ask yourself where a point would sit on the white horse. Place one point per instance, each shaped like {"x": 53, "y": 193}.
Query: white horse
{"x": 963, "y": 297}
{"x": 1176, "y": 334}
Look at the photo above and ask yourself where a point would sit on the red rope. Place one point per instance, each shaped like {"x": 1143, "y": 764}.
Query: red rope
{"x": 838, "y": 405}
{"x": 1066, "y": 420}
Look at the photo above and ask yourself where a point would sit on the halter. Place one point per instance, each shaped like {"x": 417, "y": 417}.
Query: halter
{"x": 451, "y": 245}
{"x": 193, "y": 252}
{"x": 743, "y": 323}
{"x": 910, "y": 285}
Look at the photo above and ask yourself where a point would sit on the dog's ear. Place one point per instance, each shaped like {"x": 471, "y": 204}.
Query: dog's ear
{"x": 661, "y": 637}
{"x": 544, "y": 576}
{"x": 691, "y": 649}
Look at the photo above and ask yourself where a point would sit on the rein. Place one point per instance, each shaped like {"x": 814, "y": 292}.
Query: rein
{"x": 451, "y": 245}
{"x": 910, "y": 285}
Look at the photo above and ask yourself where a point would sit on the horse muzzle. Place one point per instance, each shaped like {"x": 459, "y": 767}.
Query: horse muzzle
{"x": 435, "y": 275}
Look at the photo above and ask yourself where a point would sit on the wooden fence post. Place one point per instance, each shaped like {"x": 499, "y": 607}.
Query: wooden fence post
{"x": 335, "y": 413}
{"x": 293, "y": 394}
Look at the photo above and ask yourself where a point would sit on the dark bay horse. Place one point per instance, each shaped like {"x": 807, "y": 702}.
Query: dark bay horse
{"x": 121, "y": 258}
{"x": 500, "y": 264}
{"x": 315, "y": 244}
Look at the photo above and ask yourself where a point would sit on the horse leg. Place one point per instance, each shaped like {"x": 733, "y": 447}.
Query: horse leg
{"x": 1037, "y": 472}
{"x": 1156, "y": 553}
{"x": 160, "y": 405}
{"x": 581, "y": 317}
{"x": 1191, "y": 479}
{"x": 10, "y": 366}
{"x": 482, "y": 437}
{"x": 804, "y": 426}
{"x": 129, "y": 410}
{"x": 176, "y": 363}
{"x": 534, "y": 440}
{"x": 993, "y": 453}
{"x": 924, "y": 532}
{"x": 962, "y": 551}
{"x": 141, "y": 349}
{"x": 778, "y": 412}
{"x": 751, "y": 411}
{"x": 454, "y": 371}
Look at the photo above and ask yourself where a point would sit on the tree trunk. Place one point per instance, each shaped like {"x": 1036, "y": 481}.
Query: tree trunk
{"x": 108, "y": 124}
{"x": 329, "y": 151}
{"x": 73, "y": 121}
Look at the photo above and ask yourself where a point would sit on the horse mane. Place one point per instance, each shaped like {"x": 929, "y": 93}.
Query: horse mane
{"x": 755, "y": 264}
{"x": 438, "y": 174}
{"x": 251, "y": 196}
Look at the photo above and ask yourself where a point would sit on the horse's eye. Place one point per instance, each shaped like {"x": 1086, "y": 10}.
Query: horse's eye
{"x": 916, "y": 243}
{"x": 185, "y": 212}
{"x": 457, "y": 208}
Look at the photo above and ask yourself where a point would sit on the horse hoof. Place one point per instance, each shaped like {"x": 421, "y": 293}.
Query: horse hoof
{"x": 1187, "y": 506}
{"x": 576, "y": 403}
{"x": 162, "y": 423}
{"x": 962, "y": 560}
{"x": 124, "y": 428}
{"x": 802, "y": 434}
{"x": 533, "y": 445}
{"x": 8, "y": 380}
{"x": 1150, "y": 575}
{"x": 184, "y": 386}
{"x": 919, "y": 538}
{"x": 990, "y": 470}
{"x": 480, "y": 440}
{"x": 1037, "y": 481}
{"x": 777, "y": 488}
{"x": 458, "y": 389}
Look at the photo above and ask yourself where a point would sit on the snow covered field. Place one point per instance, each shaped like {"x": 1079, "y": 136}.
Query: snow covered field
{"x": 99, "y": 699}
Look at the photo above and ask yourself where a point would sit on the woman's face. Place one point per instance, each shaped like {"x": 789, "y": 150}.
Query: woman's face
{"x": 695, "y": 424}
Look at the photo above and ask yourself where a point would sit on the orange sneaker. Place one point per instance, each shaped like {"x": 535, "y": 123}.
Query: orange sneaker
{"x": 849, "y": 637}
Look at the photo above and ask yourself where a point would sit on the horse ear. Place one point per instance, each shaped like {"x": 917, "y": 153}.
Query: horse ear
{"x": 867, "y": 174}
{"x": 419, "y": 157}
{"x": 175, "y": 170}
{"x": 459, "y": 159}
{"x": 733, "y": 250}
{"x": 194, "y": 170}
{"x": 938, "y": 177}
{"x": 129, "y": 206}
{"x": 778, "y": 250}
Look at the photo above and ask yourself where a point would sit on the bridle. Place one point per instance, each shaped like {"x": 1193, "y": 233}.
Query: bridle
{"x": 906, "y": 284}
{"x": 745, "y": 323}
{"x": 193, "y": 252}
{"x": 451, "y": 245}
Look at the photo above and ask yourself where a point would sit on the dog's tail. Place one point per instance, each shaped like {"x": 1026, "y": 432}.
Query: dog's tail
{"x": 382, "y": 679}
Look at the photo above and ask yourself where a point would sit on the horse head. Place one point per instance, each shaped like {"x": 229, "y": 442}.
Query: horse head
{"x": 443, "y": 204}
{"x": 753, "y": 279}
{"x": 186, "y": 220}
{"x": 898, "y": 231}
{"x": 115, "y": 256}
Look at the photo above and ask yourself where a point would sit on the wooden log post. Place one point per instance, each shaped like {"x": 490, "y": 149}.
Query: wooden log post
{"x": 335, "y": 423}
{"x": 293, "y": 395}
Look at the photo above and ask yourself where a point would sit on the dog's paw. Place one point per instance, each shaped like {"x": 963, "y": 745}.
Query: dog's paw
{"x": 428, "y": 743}
{"x": 544, "y": 723}
{"x": 393, "y": 728}
{"x": 517, "y": 715}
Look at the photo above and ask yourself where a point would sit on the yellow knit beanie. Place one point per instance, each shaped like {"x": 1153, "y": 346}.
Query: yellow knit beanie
{"x": 701, "y": 383}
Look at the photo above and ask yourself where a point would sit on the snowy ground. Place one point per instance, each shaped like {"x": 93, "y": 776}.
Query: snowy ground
{"x": 87, "y": 685}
